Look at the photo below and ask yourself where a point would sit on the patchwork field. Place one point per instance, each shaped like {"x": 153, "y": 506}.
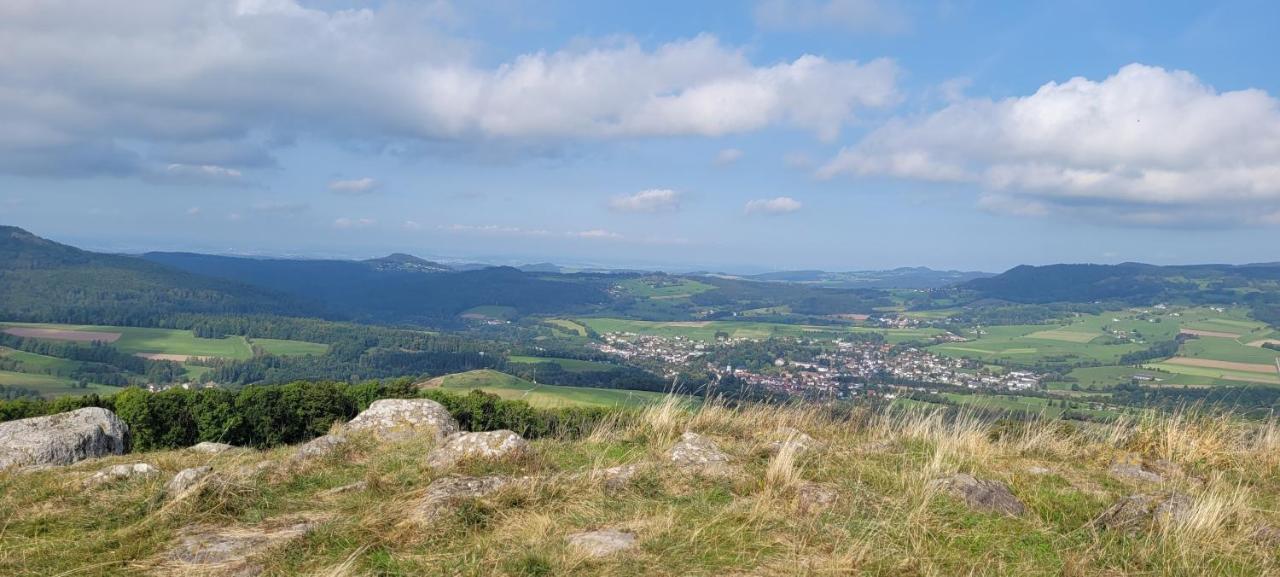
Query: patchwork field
{"x": 50, "y": 386}
{"x": 510, "y": 387}
{"x": 706, "y": 330}
{"x": 568, "y": 327}
{"x": 664, "y": 288}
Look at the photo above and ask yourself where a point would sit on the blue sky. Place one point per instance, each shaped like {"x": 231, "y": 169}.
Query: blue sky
{"x": 778, "y": 134}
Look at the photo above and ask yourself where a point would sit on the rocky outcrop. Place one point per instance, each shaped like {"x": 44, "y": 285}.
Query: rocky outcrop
{"x": 1137, "y": 512}
{"x": 231, "y": 551}
{"x": 185, "y": 481}
{"x": 601, "y": 543}
{"x": 210, "y": 448}
{"x": 318, "y": 447}
{"x": 982, "y": 494}
{"x": 393, "y": 419}
{"x": 700, "y": 455}
{"x": 491, "y": 445}
{"x": 617, "y": 479}
{"x": 444, "y": 494}
{"x": 121, "y": 472}
{"x": 62, "y": 439}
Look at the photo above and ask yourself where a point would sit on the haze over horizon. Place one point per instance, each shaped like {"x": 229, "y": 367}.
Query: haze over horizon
{"x": 746, "y": 137}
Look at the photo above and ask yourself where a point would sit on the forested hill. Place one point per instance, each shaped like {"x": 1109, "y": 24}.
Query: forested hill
{"x": 44, "y": 281}
{"x": 1134, "y": 283}
{"x": 373, "y": 291}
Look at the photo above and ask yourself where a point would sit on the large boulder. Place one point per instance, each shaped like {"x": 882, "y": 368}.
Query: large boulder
{"x": 210, "y": 448}
{"x": 700, "y": 455}
{"x": 318, "y": 447}
{"x": 491, "y": 445}
{"x": 62, "y": 439}
{"x": 392, "y": 419}
{"x": 982, "y": 494}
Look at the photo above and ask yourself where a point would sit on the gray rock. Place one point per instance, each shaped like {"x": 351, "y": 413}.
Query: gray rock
{"x": 210, "y": 448}
{"x": 185, "y": 481}
{"x": 1136, "y": 512}
{"x": 617, "y": 479}
{"x": 230, "y": 551}
{"x": 1266, "y": 535}
{"x": 697, "y": 454}
{"x": 1134, "y": 473}
{"x": 796, "y": 439}
{"x": 1038, "y": 470}
{"x": 982, "y": 494}
{"x": 121, "y": 472}
{"x": 814, "y": 498}
{"x": 444, "y": 494}
{"x": 491, "y": 445}
{"x": 602, "y": 543}
{"x": 352, "y": 488}
{"x": 319, "y": 447}
{"x": 62, "y": 439}
{"x": 392, "y": 419}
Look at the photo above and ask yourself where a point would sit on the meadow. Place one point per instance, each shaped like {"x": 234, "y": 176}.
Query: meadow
{"x": 706, "y": 330}
{"x": 149, "y": 341}
{"x": 543, "y": 396}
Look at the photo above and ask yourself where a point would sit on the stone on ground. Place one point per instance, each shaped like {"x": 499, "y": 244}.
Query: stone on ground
{"x": 446, "y": 493}
{"x": 602, "y": 543}
{"x": 351, "y": 488}
{"x": 62, "y": 439}
{"x": 814, "y": 498}
{"x": 491, "y": 445}
{"x": 982, "y": 494}
{"x": 230, "y": 551}
{"x": 321, "y": 446}
{"x": 210, "y": 448}
{"x": 393, "y": 419}
{"x": 1136, "y": 512}
{"x": 121, "y": 472}
{"x": 186, "y": 480}
{"x": 700, "y": 455}
{"x": 617, "y": 479}
{"x": 1131, "y": 468}
{"x": 795, "y": 438}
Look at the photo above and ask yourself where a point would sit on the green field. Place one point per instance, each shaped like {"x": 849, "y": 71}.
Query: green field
{"x": 567, "y": 326}
{"x": 510, "y": 387}
{"x": 1037, "y": 405}
{"x": 288, "y": 348}
{"x": 1221, "y": 349}
{"x": 1033, "y": 343}
{"x": 706, "y": 330}
{"x": 40, "y": 364}
{"x": 50, "y": 386}
{"x": 664, "y": 288}
{"x": 569, "y": 365}
{"x": 491, "y": 312}
{"x": 1218, "y": 375}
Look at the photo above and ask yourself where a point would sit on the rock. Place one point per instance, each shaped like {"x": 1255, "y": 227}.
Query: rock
{"x": 230, "y": 551}
{"x": 982, "y": 494}
{"x": 62, "y": 439}
{"x": 445, "y": 493}
{"x": 185, "y": 481}
{"x": 1164, "y": 468}
{"x": 814, "y": 498}
{"x": 798, "y": 440}
{"x": 255, "y": 469}
{"x": 602, "y": 543}
{"x": 352, "y": 488}
{"x": 880, "y": 446}
{"x": 1266, "y": 535}
{"x": 121, "y": 472}
{"x": 393, "y": 419}
{"x": 697, "y": 454}
{"x": 616, "y": 479}
{"x": 1038, "y": 470}
{"x": 491, "y": 445}
{"x": 319, "y": 447}
{"x": 1140, "y": 511}
{"x": 210, "y": 448}
{"x": 1134, "y": 473}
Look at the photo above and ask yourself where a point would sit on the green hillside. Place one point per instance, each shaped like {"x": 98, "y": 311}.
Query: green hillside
{"x": 539, "y": 395}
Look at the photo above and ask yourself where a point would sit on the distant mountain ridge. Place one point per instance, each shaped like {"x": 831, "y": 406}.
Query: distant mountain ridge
{"x": 902, "y": 277}
{"x": 1130, "y": 281}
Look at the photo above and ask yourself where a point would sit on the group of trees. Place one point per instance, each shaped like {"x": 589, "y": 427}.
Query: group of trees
{"x": 266, "y": 416}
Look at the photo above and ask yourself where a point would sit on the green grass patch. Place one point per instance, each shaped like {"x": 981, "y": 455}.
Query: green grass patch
{"x": 290, "y": 348}
{"x": 539, "y": 395}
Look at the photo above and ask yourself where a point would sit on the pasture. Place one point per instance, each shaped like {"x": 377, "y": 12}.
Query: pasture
{"x": 176, "y": 344}
{"x": 1217, "y": 374}
{"x": 567, "y": 326}
{"x": 547, "y": 396}
{"x": 706, "y": 330}
{"x": 290, "y": 348}
{"x": 49, "y": 386}
{"x": 664, "y": 288}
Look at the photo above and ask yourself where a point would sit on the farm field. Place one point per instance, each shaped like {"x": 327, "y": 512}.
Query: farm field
{"x": 175, "y": 344}
{"x": 1034, "y": 343}
{"x": 664, "y": 289}
{"x": 1019, "y": 403}
{"x": 706, "y": 330}
{"x": 510, "y": 387}
{"x": 1217, "y": 374}
{"x": 568, "y": 327}
{"x": 569, "y": 365}
{"x": 50, "y": 386}
{"x": 1229, "y": 350}
{"x": 288, "y": 348}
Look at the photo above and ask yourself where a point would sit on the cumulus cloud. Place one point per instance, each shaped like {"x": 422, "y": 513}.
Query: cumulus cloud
{"x": 356, "y": 186}
{"x": 779, "y": 205}
{"x": 1145, "y": 145}
{"x": 647, "y": 201}
{"x": 347, "y": 222}
{"x": 850, "y": 15}
{"x": 728, "y": 156}
{"x": 596, "y": 233}
{"x": 208, "y": 82}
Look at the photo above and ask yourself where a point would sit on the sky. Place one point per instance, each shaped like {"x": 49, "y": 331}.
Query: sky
{"x": 737, "y": 136}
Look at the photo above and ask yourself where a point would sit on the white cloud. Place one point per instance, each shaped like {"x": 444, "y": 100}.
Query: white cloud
{"x": 728, "y": 156}
{"x": 596, "y": 234}
{"x": 648, "y": 201}
{"x": 779, "y": 205}
{"x": 353, "y": 223}
{"x": 202, "y": 170}
{"x": 1150, "y": 145}
{"x": 211, "y": 81}
{"x": 494, "y": 229}
{"x": 850, "y": 15}
{"x": 356, "y": 186}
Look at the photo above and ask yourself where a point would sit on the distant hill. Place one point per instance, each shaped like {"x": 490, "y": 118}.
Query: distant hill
{"x": 905, "y": 277}
{"x": 394, "y": 289}
{"x": 44, "y": 281}
{"x": 1130, "y": 282}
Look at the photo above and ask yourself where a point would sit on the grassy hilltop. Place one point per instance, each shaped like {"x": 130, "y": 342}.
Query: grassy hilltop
{"x": 1217, "y": 482}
